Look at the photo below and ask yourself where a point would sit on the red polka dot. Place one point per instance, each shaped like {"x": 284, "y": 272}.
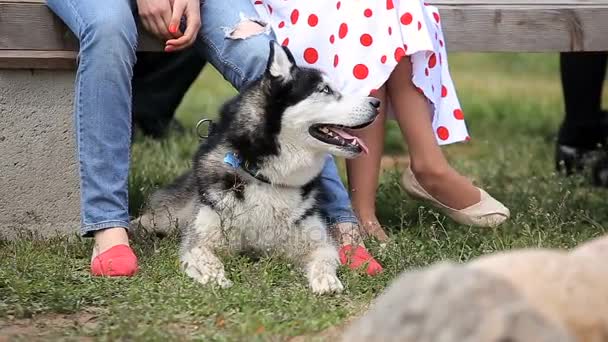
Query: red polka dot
{"x": 405, "y": 47}
{"x": 367, "y": 13}
{"x": 360, "y": 71}
{"x": 389, "y": 4}
{"x": 338, "y": 4}
{"x": 444, "y": 91}
{"x": 343, "y": 30}
{"x": 270, "y": 9}
{"x": 313, "y": 20}
{"x": 440, "y": 59}
{"x": 406, "y": 18}
{"x": 399, "y": 53}
{"x": 383, "y": 59}
{"x": 332, "y": 39}
{"x": 419, "y": 26}
{"x": 281, "y": 24}
{"x": 336, "y": 60}
{"x": 440, "y": 42}
{"x": 285, "y": 42}
{"x": 390, "y": 30}
{"x": 295, "y": 14}
{"x": 432, "y": 61}
{"x": 311, "y": 55}
{"x": 458, "y": 114}
{"x": 436, "y": 16}
{"x": 443, "y": 133}
{"x": 426, "y": 71}
{"x": 468, "y": 138}
{"x": 420, "y": 90}
{"x": 258, "y": 2}
{"x": 373, "y": 92}
{"x": 366, "y": 39}
{"x": 433, "y": 88}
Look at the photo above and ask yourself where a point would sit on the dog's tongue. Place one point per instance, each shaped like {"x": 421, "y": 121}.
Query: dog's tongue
{"x": 345, "y": 135}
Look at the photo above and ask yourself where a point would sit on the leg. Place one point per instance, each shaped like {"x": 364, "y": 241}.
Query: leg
{"x": 427, "y": 160}
{"x": 364, "y": 173}
{"x": 585, "y": 126}
{"x": 441, "y": 184}
{"x": 160, "y": 81}
{"x": 321, "y": 262}
{"x": 197, "y": 258}
{"x": 582, "y": 75}
{"x": 342, "y": 222}
{"x": 108, "y": 36}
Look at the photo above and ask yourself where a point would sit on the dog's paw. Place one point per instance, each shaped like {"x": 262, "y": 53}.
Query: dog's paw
{"x": 208, "y": 276}
{"x": 326, "y": 283}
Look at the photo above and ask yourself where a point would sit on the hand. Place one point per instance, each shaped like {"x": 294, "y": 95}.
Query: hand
{"x": 156, "y": 17}
{"x": 191, "y": 10}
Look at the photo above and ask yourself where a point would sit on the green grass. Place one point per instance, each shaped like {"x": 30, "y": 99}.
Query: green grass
{"x": 513, "y": 106}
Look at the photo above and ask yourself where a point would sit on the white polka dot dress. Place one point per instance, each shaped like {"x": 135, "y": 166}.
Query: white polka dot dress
{"x": 358, "y": 44}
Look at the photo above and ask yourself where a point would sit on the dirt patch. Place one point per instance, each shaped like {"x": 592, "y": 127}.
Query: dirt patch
{"x": 47, "y": 326}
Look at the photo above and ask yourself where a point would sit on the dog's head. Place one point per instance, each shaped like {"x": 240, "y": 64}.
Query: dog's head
{"x": 299, "y": 107}
{"x": 314, "y": 112}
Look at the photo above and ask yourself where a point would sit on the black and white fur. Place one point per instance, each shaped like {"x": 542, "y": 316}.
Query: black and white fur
{"x": 277, "y": 125}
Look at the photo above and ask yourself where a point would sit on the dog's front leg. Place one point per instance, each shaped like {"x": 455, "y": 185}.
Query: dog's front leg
{"x": 321, "y": 257}
{"x": 198, "y": 261}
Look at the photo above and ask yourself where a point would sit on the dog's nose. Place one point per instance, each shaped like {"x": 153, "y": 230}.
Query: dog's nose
{"x": 374, "y": 102}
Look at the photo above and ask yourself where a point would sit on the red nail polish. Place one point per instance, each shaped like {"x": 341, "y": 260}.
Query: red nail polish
{"x": 172, "y": 28}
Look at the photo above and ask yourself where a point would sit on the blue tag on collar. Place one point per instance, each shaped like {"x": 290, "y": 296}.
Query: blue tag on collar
{"x": 232, "y": 159}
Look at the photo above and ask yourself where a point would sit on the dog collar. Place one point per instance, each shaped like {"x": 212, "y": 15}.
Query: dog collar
{"x": 235, "y": 161}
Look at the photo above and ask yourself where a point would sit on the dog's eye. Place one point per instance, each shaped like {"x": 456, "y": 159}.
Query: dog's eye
{"x": 326, "y": 90}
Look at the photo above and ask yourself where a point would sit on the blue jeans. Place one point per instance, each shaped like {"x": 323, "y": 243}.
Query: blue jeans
{"x": 107, "y": 32}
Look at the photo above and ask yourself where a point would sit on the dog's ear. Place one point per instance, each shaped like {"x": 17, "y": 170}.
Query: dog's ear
{"x": 280, "y": 62}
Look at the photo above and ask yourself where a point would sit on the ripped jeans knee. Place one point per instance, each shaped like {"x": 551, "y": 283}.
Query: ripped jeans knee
{"x": 246, "y": 28}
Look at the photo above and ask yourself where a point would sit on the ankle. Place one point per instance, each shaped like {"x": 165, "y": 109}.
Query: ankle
{"x": 429, "y": 170}
{"x": 110, "y": 237}
{"x": 347, "y": 233}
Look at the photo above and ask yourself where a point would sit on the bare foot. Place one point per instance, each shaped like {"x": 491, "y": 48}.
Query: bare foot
{"x": 374, "y": 229}
{"x": 448, "y": 187}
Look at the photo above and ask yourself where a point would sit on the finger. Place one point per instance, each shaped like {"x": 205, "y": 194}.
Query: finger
{"x": 162, "y": 28}
{"x": 150, "y": 26}
{"x": 179, "y": 7}
{"x": 194, "y": 24}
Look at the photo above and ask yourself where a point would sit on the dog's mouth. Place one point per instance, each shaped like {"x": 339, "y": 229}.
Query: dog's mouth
{"x": 336, "y": 135}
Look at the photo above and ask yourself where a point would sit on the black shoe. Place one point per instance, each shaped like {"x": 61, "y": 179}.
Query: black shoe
{"x": 591, "y": 162}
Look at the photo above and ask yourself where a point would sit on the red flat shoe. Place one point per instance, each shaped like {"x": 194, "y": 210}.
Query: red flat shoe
{"x": 118, "y": 261}
{"x": 358, "y": 258}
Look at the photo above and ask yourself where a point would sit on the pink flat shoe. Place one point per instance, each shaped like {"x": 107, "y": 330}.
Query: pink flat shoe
{"x": 118, "y": 261}
{"x": 358, "y": 258}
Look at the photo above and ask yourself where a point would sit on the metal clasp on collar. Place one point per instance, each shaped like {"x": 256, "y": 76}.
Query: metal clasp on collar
{"x": 210, "y": 128}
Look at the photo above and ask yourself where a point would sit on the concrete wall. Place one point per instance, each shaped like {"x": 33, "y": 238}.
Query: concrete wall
{"x": 38, "y": 168}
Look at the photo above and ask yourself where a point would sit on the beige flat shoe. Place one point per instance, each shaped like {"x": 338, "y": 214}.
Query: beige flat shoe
{"x": 487, "y": 213}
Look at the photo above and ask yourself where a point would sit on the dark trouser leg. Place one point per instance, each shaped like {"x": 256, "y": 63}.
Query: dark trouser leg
{"x": 160, "y": 81}
{"x": 582, "y": 79}
{"x": 585, "y": 125}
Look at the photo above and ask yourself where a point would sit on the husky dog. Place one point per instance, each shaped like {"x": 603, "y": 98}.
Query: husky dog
{"x": 254, "y": 183}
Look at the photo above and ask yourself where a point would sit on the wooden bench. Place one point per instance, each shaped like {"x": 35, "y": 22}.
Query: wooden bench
{"x": 38, "y": 169}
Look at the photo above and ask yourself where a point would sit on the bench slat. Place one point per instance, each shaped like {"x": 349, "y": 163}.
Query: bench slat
{"x": 32, "y": 26}
{"x": 469, "y": 26}
{"x": 20, "y": 59}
